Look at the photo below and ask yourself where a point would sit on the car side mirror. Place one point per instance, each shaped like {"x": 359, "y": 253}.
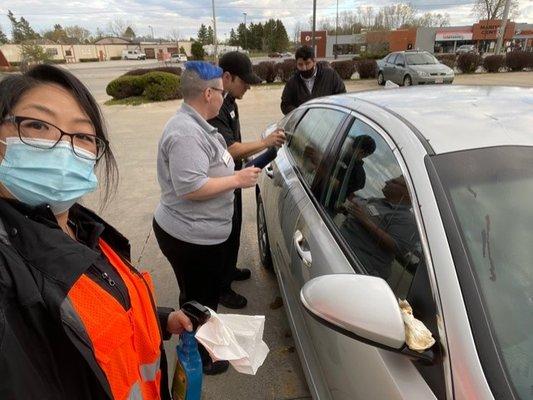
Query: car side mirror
{"x": 361, "y": 307}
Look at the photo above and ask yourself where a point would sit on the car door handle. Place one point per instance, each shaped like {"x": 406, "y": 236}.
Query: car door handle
{"x": 303, "y": 254}
{"x": 269, "y": 171}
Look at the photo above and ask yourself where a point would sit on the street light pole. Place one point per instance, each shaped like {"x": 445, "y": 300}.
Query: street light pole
{"x": 245, "y": 32}
{"x": 501, "y": 32}
{"x": 151, "y": 29}
{"x": 314, "y": 25}
{"x": 337, "y": 32}
{"x": 215, "y": 31}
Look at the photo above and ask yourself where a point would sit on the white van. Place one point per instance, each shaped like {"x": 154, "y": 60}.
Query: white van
{"x": 133, "y": 55}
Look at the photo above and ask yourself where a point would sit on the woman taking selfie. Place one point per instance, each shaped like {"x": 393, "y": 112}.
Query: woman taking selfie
{"x": 77, "y": 321}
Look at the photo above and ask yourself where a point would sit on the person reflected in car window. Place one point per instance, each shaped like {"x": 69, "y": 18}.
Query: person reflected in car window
{"x": 380, "y": 229}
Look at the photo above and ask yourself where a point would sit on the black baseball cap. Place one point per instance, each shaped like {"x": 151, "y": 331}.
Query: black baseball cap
{"x": 239, "y": 64}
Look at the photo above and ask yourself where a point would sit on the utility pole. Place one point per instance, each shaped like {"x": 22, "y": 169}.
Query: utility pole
{"x": 245, "y": 32}
{"x": 501, "y": 32}
{"x": 337, "y": 32}
{"x": 151, "y": 29}
{"x": 314, "y": 25}
{"x": 215, "y": 31}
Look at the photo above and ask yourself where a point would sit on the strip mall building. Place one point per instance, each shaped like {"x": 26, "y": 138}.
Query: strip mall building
{"x": 482, "y": 34}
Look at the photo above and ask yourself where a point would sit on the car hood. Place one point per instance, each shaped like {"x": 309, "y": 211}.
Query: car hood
{"x": 430, "y": 68}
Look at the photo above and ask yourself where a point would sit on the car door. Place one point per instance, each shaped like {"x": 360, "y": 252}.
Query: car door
{"x": 389, "y": 67}
{"x": 399, "y": 69}
{"x": 364, "y": 180}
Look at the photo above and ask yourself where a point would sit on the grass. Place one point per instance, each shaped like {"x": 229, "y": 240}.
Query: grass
{"x": 129, "y": 101}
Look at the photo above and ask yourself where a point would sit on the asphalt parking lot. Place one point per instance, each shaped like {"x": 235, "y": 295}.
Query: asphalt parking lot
{"x": 134, "y": 134}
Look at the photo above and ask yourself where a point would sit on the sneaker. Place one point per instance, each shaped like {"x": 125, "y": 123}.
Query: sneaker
{"x": 241, "y": 274}
{"x": 215, "y": 368}
{"x": 230, "y": 299}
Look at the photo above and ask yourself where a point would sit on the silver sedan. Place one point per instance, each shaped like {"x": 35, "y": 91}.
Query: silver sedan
{"x": 422, "y": 196}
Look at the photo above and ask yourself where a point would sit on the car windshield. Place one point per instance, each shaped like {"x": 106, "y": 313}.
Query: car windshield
{"x": 490, "y": 192}
{"x": 420, "y": 59}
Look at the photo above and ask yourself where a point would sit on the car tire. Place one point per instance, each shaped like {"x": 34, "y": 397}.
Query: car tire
{"x": 407, "y": 80}
{"x": 381, "y": 79}
{"x": 262, "y": 236}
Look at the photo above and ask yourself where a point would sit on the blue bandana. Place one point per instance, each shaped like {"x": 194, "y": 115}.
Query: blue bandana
{"x": 205, "y": 70}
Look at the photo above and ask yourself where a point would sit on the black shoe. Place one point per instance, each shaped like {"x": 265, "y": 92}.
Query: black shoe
{"x": 215, "y": 368}
{"x": 230, "y": 299}
{"x": 241, "y": 274}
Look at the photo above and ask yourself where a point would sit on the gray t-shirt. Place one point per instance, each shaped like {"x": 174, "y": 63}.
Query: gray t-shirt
{"x": 190, "y": 152}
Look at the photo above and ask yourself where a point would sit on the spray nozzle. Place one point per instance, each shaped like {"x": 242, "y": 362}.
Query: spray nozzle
{"x": 197, "y": 313}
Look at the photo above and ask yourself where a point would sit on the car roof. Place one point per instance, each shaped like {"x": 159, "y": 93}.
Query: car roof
{"x": 454, "y": 117}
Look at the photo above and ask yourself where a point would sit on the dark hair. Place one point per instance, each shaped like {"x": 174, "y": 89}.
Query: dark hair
{"x": 304, "y": 52}
{"x": 13, "y": 88}
{"x": 365, "y": 143}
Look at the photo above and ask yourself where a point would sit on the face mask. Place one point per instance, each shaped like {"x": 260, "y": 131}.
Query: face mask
{"x": 307, "y": 74}
{"x": 53, "y": 176}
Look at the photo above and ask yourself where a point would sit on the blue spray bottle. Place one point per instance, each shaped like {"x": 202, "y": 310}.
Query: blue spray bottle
{"x": 187, "y": 382}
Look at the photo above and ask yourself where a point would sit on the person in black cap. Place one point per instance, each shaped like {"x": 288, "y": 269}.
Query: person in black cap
{"x": 311, "y": 80}
{"x": 237, "y": 78}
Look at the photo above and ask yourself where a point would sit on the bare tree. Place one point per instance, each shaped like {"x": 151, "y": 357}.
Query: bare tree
{"x": 297, "y": 30}
{"x": 395, "y": 16}
{"x": 366, "y": 16}
{"x": 78, "y": 34}
{"x": 432, "y": 20}
{"x": 118, "y": 27}
{"x": 174, "y": 35}
{"x": 493, "y": 9}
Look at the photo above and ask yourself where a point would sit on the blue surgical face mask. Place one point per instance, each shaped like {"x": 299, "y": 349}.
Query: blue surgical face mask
{"x": 55, "y": 176}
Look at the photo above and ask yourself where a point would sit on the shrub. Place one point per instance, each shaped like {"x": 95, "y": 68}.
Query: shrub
{"x": 197, "y": 51}
{"x": 286, "y": 69}
{"x": 345, "y": 69}
{"x": 447, "y": 59}
{"x": 493, "y": 63}
{"x": 60, "y": 61}
{"x": 367, "y": 69}
{"x": 468, "y": 62}
{"x": 518, "y": 60}
{"x": 266, "y": 71}
{"x": 114, "y": 58}
{"x": 143, "y": 71}
{"x": 324, "y": 64}
{"x": 161, "y": 86}
{"x": 89, "y": 59}
{"x": 125, "y": 86}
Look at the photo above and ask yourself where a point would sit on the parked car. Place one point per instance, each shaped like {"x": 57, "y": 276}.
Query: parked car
{"x": 413, "y": 68}
{"x": 466, "y": 48}
{"x": 178, "y": 58}
{"x": 287, "y": 54}
{"x": 421, "y": 195}
{"x": 274, "y": 54}
{"x": 133, "y": 55}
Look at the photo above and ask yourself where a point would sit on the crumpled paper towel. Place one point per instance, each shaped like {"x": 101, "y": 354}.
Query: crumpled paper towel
{"x": 236, "y": 338}
{"x": 417, "y": 336}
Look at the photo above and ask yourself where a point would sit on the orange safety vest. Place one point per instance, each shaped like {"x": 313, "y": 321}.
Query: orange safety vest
{"x": 126, "y": 344}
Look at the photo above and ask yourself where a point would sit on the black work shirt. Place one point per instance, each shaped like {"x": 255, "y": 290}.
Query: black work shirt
{"x": 227, "y": 123}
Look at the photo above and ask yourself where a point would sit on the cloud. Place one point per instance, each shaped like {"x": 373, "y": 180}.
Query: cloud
{"x": 187, "y": 15}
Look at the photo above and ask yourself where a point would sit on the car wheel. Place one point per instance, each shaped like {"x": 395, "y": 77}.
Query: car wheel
{"x": 407, "y": 81}
{"x": 381, "y": 78}
{"x": 262, "y": 235}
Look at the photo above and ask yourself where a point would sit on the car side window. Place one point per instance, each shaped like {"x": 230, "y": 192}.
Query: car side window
{"x": 289, "y": 122}
{"x": 392, "y": 58}
{"x": 400, "y": 59}
{"x": 311, "y": 138}
{"x": 368, "y": 201}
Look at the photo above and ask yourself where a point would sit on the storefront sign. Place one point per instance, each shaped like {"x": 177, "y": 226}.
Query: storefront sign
{"x": 488, "y": 30}
{"x": 453, "y": 36}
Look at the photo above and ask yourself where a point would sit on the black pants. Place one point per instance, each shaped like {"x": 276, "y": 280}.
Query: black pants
{"x": 233, "y": 243}
{"x": 197, "y": 268}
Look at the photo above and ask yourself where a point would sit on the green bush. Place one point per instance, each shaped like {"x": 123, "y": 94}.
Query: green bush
{"x": 345, "y": 68}
{"x": 115, "y": 58}
{"x": 126, "y": 86}
{"x": 143, "y": 71}
{"x": 468, "y": 62}
{"x": 89, "y": 59}
{"x": 324, "y": 64}
{"x": 197, "y": 51}
{"x": 62, "y": 61}
{"x": 286, "y": 69}
{"x": 367, "y": 69}
{"x": 447, "y": 59}
{"x": 493, "y": 63}
{"x": 266, "y": 71}
{"x": 161, "y": 86}
{"x": 519, "y": 60}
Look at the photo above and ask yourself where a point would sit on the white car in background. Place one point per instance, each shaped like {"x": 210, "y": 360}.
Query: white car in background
{"x": 178, "y": 58}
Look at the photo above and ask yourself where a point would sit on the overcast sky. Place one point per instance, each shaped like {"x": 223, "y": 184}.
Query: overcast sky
{"x": 185, "y": 16}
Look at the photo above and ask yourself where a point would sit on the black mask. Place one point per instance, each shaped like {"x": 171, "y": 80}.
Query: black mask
{"x": 307, "y": 74}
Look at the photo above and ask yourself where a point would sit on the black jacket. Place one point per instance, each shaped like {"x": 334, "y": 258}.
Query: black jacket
{"x": 43, "y": 352}
{"x": 295, "y": 93}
